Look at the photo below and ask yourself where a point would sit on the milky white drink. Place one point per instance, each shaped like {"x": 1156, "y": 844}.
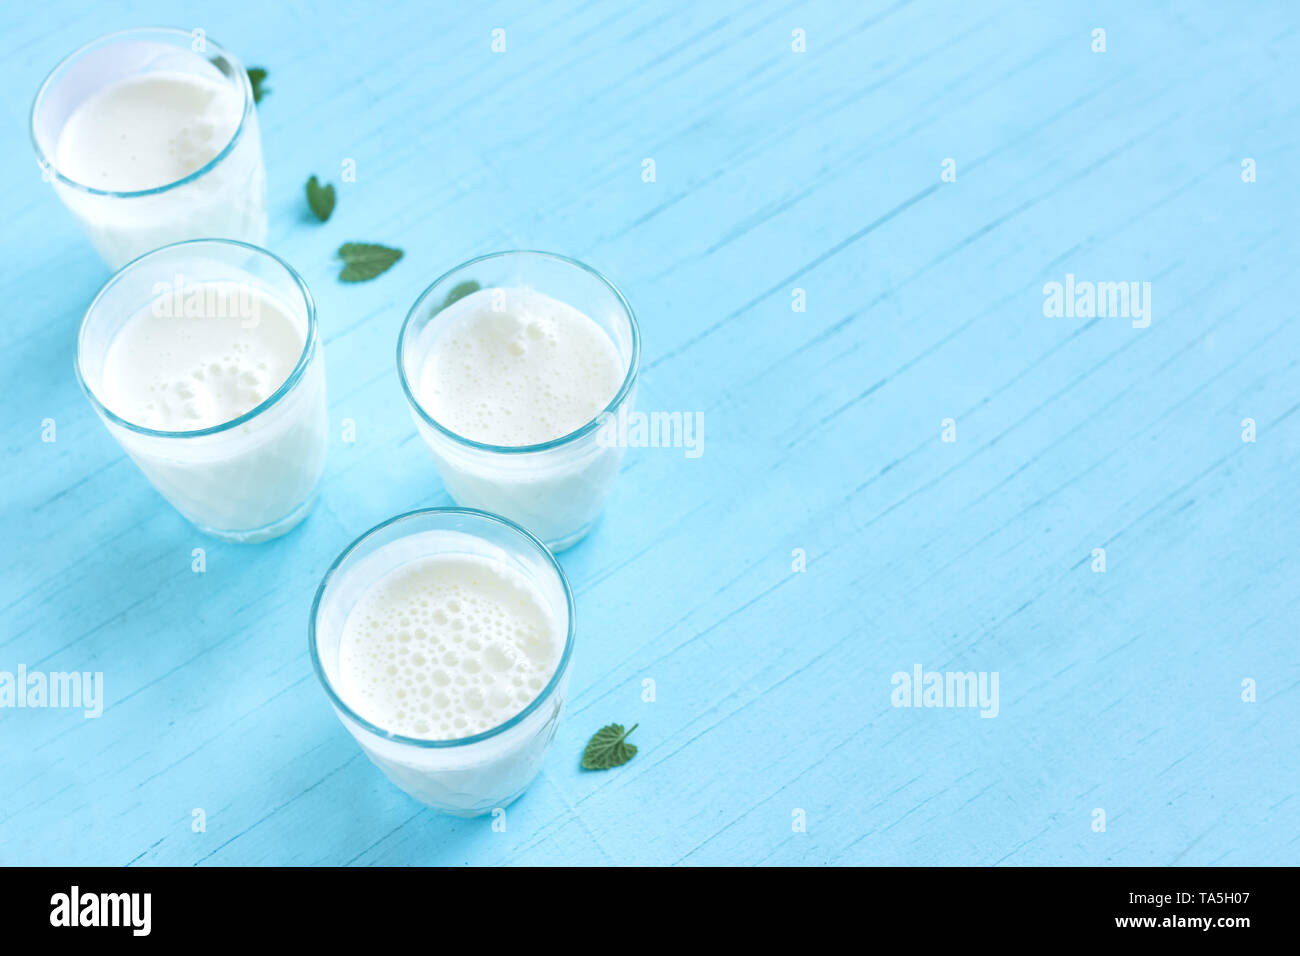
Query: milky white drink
{"x": 446, "y": 649}
{"x": 215, "y": 388}
{"x": 154, "y": 115}
{"x": 149, "y": 130}
{"x": 515, "y": 368}
{"x": 530, "y": 373}
{"x": 206, "y": 357}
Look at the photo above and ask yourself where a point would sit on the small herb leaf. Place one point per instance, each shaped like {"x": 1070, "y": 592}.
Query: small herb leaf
{"x": 365, "y": 260}
{"x": 608, "y": 747}
{"x": 462, "y": 289}
{"x": 257, "y": 76}
{"x": 320, "y": 198}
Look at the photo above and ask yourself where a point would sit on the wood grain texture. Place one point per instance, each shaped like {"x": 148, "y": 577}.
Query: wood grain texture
{"x": 776, "y": 170}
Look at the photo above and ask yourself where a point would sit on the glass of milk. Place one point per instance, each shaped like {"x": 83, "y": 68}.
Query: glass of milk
{"x": 150, "y": 137}
{"x": 204, "y": 361}
{"x": 443, "y": 639}
{"x": 513, "y": 365}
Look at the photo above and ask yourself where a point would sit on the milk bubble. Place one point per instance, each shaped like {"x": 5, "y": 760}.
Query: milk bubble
{"x": 404, "y": 662}
{"x": 530, "y": 374}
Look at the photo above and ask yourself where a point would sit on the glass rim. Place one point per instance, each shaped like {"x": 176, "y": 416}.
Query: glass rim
{"x": 629, "y": 379}
{"x": 46, "y": 163}
{"x": 295, "y": 376}
{"x": 423, "y": 742}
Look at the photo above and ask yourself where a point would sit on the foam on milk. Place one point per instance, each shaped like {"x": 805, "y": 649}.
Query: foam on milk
{"x": 148, "y": 131}
{"x": 220, "y": 358}
{"x": 531, "y": 373}
{"x": 446, "y": 647}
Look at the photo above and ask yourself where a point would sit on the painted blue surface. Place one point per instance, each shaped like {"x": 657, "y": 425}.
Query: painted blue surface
{"x": 776, "y": 170}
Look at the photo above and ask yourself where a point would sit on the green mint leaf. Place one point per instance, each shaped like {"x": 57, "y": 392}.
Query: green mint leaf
{"x": 365, "y": 260}
{"x": 462, "y": 289}
{"x": 320, "y": 198}
{"x": 608, "y": 748}
{"x": 257, "y": 76}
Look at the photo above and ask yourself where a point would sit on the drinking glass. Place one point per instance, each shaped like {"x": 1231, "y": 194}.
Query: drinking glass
{"x": 226, "y": 198}
{"x": 472, "y": 775}
{"x": 556, "y": 489}
{"x": 248, "y": 479}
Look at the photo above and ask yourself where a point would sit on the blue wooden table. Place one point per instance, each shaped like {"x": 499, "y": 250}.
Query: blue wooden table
{"x": 840, "y": 260}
